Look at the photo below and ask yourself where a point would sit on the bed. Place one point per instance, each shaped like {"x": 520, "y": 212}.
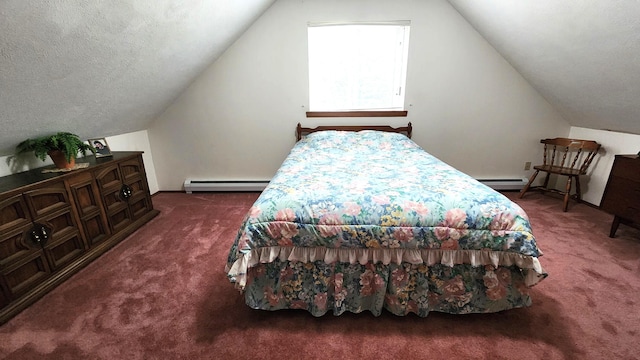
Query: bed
{"x": 363, "y": 219}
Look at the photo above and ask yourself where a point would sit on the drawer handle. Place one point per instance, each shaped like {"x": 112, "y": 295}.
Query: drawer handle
{"x": 126, "y": 192}
{"x": 39, "y": 234}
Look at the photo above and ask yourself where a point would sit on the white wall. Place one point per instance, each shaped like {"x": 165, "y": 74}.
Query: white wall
{"x": 468, "y": 106}
{"x": 613, "y": 143}
{"x": 10, "y": 164}
{"x": 135, "y": 141}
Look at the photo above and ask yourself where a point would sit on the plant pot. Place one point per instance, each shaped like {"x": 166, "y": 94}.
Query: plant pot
{"x": 60, "y": 160}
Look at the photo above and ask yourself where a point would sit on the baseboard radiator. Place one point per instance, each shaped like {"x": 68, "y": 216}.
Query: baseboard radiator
{"x": 505, "y": 184}
{"x": 191, "y": 185}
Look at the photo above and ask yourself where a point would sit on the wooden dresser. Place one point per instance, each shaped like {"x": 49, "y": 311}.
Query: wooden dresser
{"x": 53, "y": 224}
{"x": 622, "y": 194}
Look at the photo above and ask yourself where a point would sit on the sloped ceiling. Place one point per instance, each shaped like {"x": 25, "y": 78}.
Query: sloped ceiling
{"x": 582, "y": 56}
{"x": 102, "y": 68}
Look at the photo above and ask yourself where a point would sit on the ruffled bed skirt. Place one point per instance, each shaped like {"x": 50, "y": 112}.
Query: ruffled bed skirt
{"x": 338, "y": 287}
{"x": 532, "y": 270}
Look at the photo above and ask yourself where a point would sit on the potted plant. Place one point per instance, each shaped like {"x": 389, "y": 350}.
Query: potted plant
{"x": 62, "y": 147}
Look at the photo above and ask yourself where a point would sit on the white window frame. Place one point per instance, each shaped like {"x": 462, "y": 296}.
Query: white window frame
{"x": 323, "y": 60}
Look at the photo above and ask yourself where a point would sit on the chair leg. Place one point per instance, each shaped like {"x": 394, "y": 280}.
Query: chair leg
{"x": 546, "y": 181}
{"x": 578, "y": 191}
{"x": 566, "y": 194}
{"x": 526, "y": 187}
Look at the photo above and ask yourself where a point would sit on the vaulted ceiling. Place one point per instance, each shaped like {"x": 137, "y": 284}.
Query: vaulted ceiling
{"x": 102, "y": 68}
{"x": 106, "y": 68}
{"x": 582, "y": 56}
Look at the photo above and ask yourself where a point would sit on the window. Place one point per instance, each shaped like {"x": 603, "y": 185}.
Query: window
{"x": 357, "y": 66}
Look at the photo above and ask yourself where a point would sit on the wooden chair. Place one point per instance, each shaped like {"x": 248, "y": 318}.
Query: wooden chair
{"x": 568, "y": 157}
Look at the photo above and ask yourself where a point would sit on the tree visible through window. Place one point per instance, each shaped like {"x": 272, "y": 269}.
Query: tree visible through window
{"x": 357, "y": 66}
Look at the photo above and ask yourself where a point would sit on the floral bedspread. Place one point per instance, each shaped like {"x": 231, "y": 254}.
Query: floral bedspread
{"x": 378, "y": 198}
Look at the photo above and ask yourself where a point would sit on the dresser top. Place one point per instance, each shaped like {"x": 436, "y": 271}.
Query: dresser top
{"x": 33, "y": 176}
{"x": 629, "y": 156}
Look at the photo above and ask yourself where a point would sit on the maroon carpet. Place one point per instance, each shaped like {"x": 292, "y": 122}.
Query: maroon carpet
{"x": 162, "y": 294}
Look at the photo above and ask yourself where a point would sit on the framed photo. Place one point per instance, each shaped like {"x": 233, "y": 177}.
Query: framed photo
{"x": 101, "y": 146}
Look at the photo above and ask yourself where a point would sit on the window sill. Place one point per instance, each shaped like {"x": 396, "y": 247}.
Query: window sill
{"x": 384, "y": 113}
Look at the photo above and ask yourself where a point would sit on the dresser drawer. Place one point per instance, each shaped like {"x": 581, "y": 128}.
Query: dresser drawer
{"x": 47, "y": 200}
{"x": 13, "y": 213}
{"x": 621, "y": 195}
{"x": 626, "y": 167}
{"x": 15, "y": 245}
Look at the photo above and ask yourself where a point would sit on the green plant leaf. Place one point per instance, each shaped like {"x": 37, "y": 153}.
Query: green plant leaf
{"x": 70, "y": 145}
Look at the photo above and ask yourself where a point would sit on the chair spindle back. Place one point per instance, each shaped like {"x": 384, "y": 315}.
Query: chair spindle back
{"x": 572, "y": 149}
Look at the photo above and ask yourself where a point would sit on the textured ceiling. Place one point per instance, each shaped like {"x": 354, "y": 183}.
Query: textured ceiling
{"x": 101, "y": 68}
{"x": 582, "y": 56}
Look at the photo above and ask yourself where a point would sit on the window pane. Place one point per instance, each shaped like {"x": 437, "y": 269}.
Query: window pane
{"x": 357, "y": 67}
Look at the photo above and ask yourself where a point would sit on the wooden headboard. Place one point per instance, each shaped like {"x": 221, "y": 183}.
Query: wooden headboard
{"x": 301, "y": 131}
